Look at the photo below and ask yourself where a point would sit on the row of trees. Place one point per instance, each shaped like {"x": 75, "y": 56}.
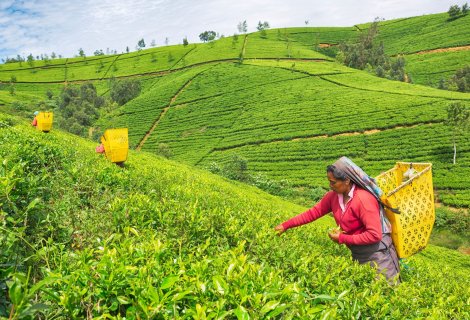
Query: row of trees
{"x": 206, "y": 36}
{"x": 30, "y": 58}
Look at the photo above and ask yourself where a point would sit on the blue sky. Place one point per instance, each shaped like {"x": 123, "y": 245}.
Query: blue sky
{"x": 46, "y": 26}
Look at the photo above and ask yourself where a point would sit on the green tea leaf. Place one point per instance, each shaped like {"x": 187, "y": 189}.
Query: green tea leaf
{"x": 270, "y": 305}
{"x": 241, "y": 313}
{"x": 168, "y": 282}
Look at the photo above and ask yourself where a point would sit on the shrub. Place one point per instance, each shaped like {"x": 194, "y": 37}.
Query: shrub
{"x": 123, "y": 91}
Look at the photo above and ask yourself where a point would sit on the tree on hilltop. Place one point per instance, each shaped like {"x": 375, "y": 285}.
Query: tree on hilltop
{"x": 81, "y": 53}
{"x": 262, "y": 26}
{"x": 140, "y": 44}
{"x": 242, "y": 27}
{"x": 30, "y": 60}
{"x": 454, "y": 12}
{"x": 207, "y": 36}
{"x": 465, "y": 9}
{"x": 185, "y": 41}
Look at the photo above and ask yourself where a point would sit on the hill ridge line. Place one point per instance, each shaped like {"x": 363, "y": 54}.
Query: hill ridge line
{"x": 167, "y": 71}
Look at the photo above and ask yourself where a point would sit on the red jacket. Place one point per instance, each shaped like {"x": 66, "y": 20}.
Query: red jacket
{"x": 360, "y": 220}
{"x": 35, "y": 122}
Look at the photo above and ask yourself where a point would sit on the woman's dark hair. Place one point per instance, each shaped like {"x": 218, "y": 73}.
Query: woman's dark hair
{"x": 337, "y": 173}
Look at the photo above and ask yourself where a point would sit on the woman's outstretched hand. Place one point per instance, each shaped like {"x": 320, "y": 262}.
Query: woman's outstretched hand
{"x": 280, "y": 229}
{"x": 334, "y": 234}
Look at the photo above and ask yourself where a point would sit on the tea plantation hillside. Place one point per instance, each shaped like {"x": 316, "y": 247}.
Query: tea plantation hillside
{"x": 290, "y": 120}
{"x": 84, "y": 238}
{"x": 434, "y": 46}
{"x": 271, "y": 98}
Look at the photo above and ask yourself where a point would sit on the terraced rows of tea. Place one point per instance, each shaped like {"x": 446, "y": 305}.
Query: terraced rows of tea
{"x": 282, "y": 119}
{"x": 206, "y": 105}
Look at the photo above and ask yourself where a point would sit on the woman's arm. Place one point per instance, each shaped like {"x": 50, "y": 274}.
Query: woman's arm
{"x": 320, "y": 209}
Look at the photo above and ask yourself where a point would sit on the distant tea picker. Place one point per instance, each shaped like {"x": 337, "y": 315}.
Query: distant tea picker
{"x": 43, "y": 121}
{"x": 363, "y": 226}
{"x": 114, "y": 145}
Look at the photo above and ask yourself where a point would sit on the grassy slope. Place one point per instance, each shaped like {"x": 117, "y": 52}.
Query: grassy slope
{"x": 161, "y": 238}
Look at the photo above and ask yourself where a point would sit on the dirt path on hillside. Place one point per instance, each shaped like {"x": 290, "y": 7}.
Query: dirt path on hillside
{"x": 327, "y": 45}
{"x": 451, "y": 49}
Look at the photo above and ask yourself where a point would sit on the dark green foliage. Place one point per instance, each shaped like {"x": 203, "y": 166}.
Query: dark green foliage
{"x": 442, "y": 84}
{"x": 123, "y": 91}
{"x": 367, "y": 54}
{"x": 262, "y": 27}
{"x": 242, "y": 27}
{"x": 49, "y": 94}
{"x": 455, "y": 221}
{"x": 236, "y": 169}
{"x": 454, "y": 11}
{"x": 78, "y": 108}
{"x": 185, "y": 41}
{"x": 461, "y": 80}
{"x": 30, "y": 60}
{"x": 207, "y": 36}
{"x": 141, "y": 44}
{"x": 451, "y": 228}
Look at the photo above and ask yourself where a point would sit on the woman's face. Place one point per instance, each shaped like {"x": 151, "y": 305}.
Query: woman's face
{"x": 337, "y": 185}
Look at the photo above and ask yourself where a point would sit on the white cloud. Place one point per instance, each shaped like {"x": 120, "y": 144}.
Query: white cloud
{"x": 43, "y": 26}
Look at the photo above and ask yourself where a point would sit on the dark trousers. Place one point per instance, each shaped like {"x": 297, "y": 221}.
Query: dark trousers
{"x": 381, "y": 255}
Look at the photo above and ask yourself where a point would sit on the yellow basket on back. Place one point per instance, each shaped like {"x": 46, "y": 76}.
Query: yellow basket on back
{"x": 414, "y": 198}
{"x": 116, "y": 144}
{"x": 44, "y": 121}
